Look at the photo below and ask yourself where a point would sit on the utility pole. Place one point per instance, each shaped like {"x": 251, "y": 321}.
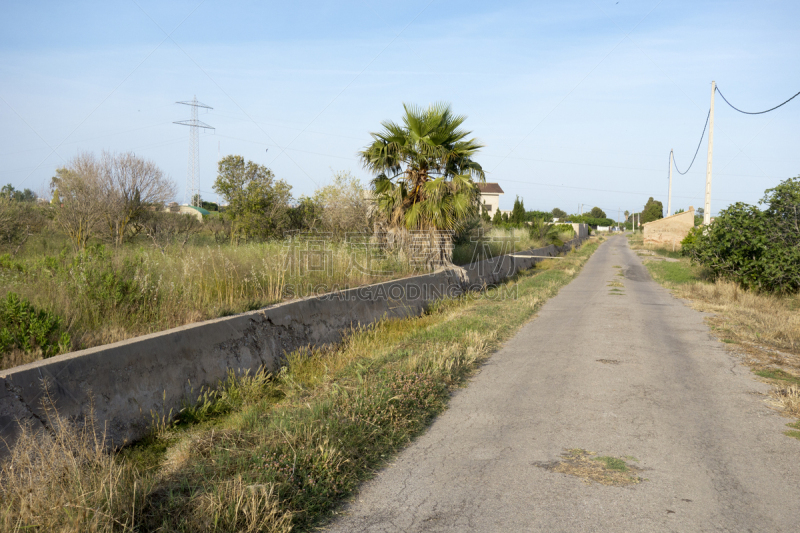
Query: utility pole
{"x": 669, "y": 197}
{"x": 192, "y": 192}
{"x": 707, "y": 208}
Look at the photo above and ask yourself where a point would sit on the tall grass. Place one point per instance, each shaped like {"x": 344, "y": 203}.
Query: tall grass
{"x": 495, "y": 242}
{"x": 105, "y": 295}
{"x": 279, "y": 453}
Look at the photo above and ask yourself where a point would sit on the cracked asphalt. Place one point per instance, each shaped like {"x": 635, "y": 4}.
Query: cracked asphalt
{"x": 713, "y": 454}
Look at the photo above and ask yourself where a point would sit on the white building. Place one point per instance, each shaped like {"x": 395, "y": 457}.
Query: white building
{"x": 490, "y": 197}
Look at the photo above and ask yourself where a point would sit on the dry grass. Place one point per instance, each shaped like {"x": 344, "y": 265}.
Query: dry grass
{"x": 747, "y": 316}
{"x": 65, "y": 481}
{"x": 787, "y": 399}
{"x": 236, "y": 506}
{"x": 763, "y": 328}
{"x": 275, "y": 453}
{"x": 112, "y": 295}
{"x": 588, "y": 466}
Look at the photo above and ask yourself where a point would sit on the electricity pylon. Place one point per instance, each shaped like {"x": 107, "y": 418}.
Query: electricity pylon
{"x": 192, "y": 193}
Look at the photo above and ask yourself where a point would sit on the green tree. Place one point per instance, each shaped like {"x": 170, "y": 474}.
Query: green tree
{"x": 559, "y": 213}
{"x": 424, "y": 170}
{"x": 517, "y": 213}
{"x": 18, "y": 221}
{"x": 10, "y": 193}
{"x": 653, "y": 210}
{"x": 485, "y": 215}
{"x": 305, "y": 214}
{"x": 498, "y": 217}
{"x": 530, "y": 216}
{"x": 757, "y": 249}
{"x": 784, "y": 212}
{"x": 258, "y": 204}
{"x": 596, "y": 212}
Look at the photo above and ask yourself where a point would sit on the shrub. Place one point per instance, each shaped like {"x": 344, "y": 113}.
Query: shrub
{"x": 23, "y": 327}
{"x": 757, "y": 249}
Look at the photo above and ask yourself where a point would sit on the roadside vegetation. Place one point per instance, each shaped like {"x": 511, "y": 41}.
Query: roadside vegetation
{"x": 110, "y": 256}
{"x": 279, "y": 452}
{"x": 764, "y": 327}
{"x": 757, "y": 249}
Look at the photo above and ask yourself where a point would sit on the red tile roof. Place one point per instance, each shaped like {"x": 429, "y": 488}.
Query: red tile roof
{"x": 491, "y": 188}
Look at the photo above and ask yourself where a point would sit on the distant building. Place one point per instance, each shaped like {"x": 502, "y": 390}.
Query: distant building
{"x": 490, "y": 197}
{"x": 669, "y": 231}
{"x": 196, "y": 212}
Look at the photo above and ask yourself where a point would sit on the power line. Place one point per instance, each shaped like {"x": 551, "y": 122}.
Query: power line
{"x": 696, "y": 151}
{"x": 756, "y": 112}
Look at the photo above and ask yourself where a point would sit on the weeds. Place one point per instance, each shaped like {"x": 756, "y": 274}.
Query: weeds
{"x": 102, "y": 296}
{"x": 65, "y": 481}
{"x": 765, "y": 327}
{"x": 279, "y": 452}
{"x": 22, "y": 327}
{"x": 605, "y": 470}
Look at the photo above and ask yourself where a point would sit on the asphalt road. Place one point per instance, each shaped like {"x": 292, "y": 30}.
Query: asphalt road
{"x": 713, "y": 455}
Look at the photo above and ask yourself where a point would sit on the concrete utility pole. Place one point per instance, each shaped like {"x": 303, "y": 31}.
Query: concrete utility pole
{"x": 707, "y": 208}
{"x": 669, "y": 197}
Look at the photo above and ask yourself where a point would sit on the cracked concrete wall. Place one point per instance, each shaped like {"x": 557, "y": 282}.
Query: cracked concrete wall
{"x": 128, "y": 382}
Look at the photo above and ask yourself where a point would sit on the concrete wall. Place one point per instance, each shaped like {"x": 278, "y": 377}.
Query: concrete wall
{"x": 581, "y": 230}
{"x": 669, "y": 231}
{"x": 126, "y": 382}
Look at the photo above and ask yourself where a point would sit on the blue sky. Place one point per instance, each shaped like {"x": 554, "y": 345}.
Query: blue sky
{"x": 576, "y": 102}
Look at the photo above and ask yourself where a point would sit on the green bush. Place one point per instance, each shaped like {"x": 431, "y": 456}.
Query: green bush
{"x": 586, "y": 219}
{"x": 757, "y": 249}
{"x": 25, "y": 328}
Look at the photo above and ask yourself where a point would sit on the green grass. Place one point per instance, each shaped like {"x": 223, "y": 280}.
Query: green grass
{"x": 677, "y": 273}
{"x": 793, "y": 433}
{"x": 668, "y": 253}
{"x": 613, "y": 463}
{"x": 273, "y": 452}
{"x": 776, "y": 374}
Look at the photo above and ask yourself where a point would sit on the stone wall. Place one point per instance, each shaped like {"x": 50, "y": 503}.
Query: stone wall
{"x": 669, "y": 232}
{"x": 127, "y": 382}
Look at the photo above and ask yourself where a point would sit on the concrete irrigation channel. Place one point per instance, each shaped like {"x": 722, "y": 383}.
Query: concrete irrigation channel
{"x": 125, "y": 385}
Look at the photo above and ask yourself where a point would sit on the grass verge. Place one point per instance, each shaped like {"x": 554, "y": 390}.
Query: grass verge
{"x": 765, "y": 328}
{"x": 280, "y": 452}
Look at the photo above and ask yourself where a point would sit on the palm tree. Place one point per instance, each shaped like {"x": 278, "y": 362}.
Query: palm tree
{"x": 424, "y": 170}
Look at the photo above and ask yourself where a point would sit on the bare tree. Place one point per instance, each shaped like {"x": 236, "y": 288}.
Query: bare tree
{"x": 78, "y": 199}
{"x": 344, "y": 205}
{"x": 166, "y": 228}
{"x": 91, "y": 195}
{"x": 130, "y": 185}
